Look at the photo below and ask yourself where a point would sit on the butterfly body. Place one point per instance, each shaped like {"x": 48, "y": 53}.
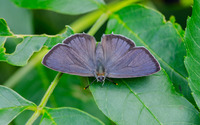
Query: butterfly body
{"x": 100, "y": 73}
{"x": 100, "y": 69}
{"x": 115, "y": 57}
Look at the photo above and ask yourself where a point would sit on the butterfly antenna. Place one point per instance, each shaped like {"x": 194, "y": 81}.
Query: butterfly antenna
{"x": 112, "y": 81}
{"x": 89, "y": 85}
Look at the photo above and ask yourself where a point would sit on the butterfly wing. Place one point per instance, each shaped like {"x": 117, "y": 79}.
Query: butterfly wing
{"x": 114, "y": 47}
{"x": 124, "y": 60}
{"x": 75, "y": 56}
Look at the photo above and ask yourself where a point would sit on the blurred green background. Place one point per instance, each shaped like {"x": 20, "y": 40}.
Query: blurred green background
{"x": 69, "y": 91}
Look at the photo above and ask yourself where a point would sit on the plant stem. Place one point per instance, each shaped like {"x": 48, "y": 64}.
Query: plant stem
{"x": 98, "y": 23}
{"x": 44, "y": 99}
{"x": 45, "y": 80}
{"x": 50, "y": 90}
{"x": 86, "y": 21}
{"x": 110, "y": 10}
{"x": 33, "y": 117}
{"x": 115, "y": 6}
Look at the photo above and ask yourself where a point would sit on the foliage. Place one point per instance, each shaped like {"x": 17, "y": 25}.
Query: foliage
{"x": 161, "y": 98}
{"x": 192, "y": 44}
{"x": 29, "y": 45}
{"x": 63, "y": 6}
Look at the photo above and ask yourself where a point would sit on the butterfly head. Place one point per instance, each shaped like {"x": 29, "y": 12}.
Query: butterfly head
{"x": 100, "y": 77}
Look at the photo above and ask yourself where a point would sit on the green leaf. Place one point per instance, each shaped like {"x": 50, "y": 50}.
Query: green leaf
{"x": 148, "y": 28}
{"x": 149, "y": 100}
{"x": 29, "y": 45}
{"x": 192, "y": 43}
{"x": 4, "y": 29}
{"x": 11, "y": 105}
{"x": 71, "y": 7}
{"x": 71, "y": 116}
{"x": 177, "y": 26}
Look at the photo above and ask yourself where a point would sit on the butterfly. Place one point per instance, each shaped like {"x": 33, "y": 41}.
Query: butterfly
{"x": 116, "y": 56}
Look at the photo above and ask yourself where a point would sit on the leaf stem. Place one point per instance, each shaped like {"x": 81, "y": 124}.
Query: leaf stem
{"x": 44, "y": 99}
{"x": 50, "y": 90}
{"x": 33, "y": 117}
{"x": 86, "y": 21}
{"x": 98, "y": 23}
{"x": 115, "y": 6}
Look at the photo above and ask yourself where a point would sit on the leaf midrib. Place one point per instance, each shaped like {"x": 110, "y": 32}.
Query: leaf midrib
{"x": 117, "y": 17}
{"x": 142, "y": 102}
{"x": 49, "y": 115}
{"x": 14, "y": 107}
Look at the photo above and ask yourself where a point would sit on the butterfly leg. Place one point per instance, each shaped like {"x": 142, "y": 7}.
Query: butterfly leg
{"x": 96, "y": 76}
{"x": 103, "y": 83}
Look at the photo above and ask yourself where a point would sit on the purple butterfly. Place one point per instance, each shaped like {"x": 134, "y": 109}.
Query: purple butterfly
{"x": 115, "y": 57}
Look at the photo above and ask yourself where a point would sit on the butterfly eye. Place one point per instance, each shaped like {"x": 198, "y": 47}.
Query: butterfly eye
{"x": 101, "y": 78}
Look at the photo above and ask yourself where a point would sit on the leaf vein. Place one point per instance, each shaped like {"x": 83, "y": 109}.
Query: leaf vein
{"x": 142, "y": 102}
{"x": 48, "y": 114}
{"x": 192, "y": 37}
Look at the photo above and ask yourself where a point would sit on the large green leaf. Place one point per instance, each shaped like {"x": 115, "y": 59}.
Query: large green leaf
{"x": 149, "y": 29}
{"x": 149, "y": 100}
{"x": 29, "y": 45}
{"x": 70, "y": 116}
{"x": 71, "y": 7}
{"x": 11, "y": 105}
{"x": 192, "y": 42}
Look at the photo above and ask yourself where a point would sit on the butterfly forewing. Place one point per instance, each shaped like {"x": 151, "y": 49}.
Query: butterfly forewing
{"x": 75, "y": 56}
{"x": 124, "y": 60}
{"x": 84, "y": 45}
